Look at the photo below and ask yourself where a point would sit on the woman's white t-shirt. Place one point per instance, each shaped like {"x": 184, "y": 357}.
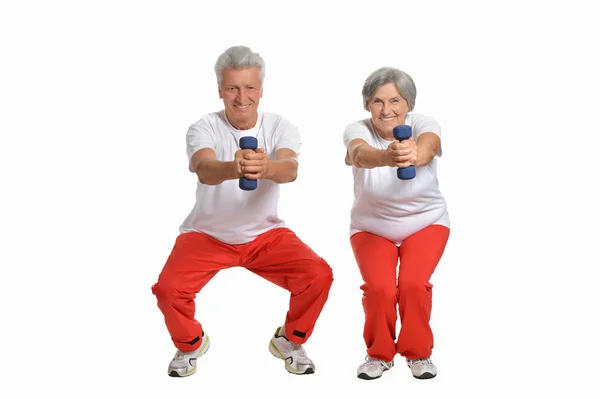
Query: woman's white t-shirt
{"x": 387, "y": 206}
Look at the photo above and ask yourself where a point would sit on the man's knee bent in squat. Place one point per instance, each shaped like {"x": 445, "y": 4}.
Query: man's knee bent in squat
{"x": 321, "y": 274}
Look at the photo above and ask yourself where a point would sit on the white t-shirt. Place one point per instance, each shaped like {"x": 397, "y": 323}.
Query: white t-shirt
{"x": 225, "y": 211}
{"x": 387, "y": 206}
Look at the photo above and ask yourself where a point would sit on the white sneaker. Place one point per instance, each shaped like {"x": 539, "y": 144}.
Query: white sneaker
{"x": 373, "y": 368}
{"x": 184, "y": 363}
{"x": 422, "y": 368}
{"x": 296, "y": 360}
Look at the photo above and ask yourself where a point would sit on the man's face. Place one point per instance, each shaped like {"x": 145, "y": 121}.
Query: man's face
{"x": 241, "y": 92}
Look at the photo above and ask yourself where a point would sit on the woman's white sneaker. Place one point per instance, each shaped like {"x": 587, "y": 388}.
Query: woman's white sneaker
{"x": 373, "y": 368}
{"x": 422, "y": 368}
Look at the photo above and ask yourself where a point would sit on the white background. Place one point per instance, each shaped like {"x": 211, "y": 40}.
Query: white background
{"x": 95, "y": 101}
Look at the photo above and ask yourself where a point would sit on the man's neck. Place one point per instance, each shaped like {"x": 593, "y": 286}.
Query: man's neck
{"x": 243, "y": 125}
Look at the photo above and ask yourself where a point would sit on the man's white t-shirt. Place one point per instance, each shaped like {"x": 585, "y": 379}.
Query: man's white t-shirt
{"x": 225, "y": 211}
{"x": 387, "y": 206}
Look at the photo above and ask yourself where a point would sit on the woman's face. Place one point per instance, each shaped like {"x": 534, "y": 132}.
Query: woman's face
{"x": 388, "y": 109}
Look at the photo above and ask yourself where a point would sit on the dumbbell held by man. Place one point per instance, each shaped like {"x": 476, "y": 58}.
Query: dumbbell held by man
{"x": 251, "y": 143}
{"x": 404, "y": 132}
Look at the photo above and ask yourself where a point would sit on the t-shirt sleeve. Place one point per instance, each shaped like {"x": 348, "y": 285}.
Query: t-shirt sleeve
{"x": 287, "y": 135}
{"x": 428, "y": 124}
{"x": 354, "y": 131}
{"x": 199, "y": 135}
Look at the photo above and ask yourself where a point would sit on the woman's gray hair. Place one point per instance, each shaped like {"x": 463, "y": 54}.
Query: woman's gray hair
{"x": 385, "y": 75}
{"x": 239, "y": 57}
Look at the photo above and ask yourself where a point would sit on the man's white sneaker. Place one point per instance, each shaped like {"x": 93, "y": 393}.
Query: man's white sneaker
{"x": 184, "y": 363}
{"x": 296, "y": 360}
{"x": 373, "y": 368}
{"x": 422, "y": 368}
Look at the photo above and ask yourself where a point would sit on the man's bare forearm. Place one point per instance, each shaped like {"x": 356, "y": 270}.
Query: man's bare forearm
{"x": 282, "y": 171}
{"x": 212, "y": 172}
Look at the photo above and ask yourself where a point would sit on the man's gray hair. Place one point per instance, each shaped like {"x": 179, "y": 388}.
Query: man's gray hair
{"x": 239, "y": 57}
{"x": 385, "y": 75}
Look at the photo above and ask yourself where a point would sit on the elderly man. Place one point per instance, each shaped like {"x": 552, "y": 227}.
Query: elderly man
{"x": 234, "y": 223}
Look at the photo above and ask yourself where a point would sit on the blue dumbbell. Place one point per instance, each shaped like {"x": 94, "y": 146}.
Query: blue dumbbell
{"x": 248, "y": 142}
{"x": 403, "y": 132}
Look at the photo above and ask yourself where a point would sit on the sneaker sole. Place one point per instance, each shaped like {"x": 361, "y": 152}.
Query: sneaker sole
{"x": 275, "y": 352}
{"x": 365, "y": 376}
{"x": 203, "y": 350}
{"x": 425, "y": 376}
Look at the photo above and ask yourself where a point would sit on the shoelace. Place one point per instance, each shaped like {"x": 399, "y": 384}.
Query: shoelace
{"x": 420, "y": 362}
{"x": 372, "y": 360}
{"x": 179, "y": 355}
{"x": 298, "y": 349}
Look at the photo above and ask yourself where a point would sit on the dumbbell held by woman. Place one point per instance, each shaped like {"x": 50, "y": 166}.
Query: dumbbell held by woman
{"x": 404, "y": 132}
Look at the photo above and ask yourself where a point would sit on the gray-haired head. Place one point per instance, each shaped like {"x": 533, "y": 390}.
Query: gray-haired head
{"x": 385, "y": 75}
{"x": 239, "y": 57}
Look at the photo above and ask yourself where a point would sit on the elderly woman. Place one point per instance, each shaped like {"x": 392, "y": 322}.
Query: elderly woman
{"x": 396, "y": 222}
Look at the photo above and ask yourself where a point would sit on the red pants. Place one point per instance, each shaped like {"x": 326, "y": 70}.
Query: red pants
{"x": 410, "y": 294}
{"x": 277, "y": 255}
